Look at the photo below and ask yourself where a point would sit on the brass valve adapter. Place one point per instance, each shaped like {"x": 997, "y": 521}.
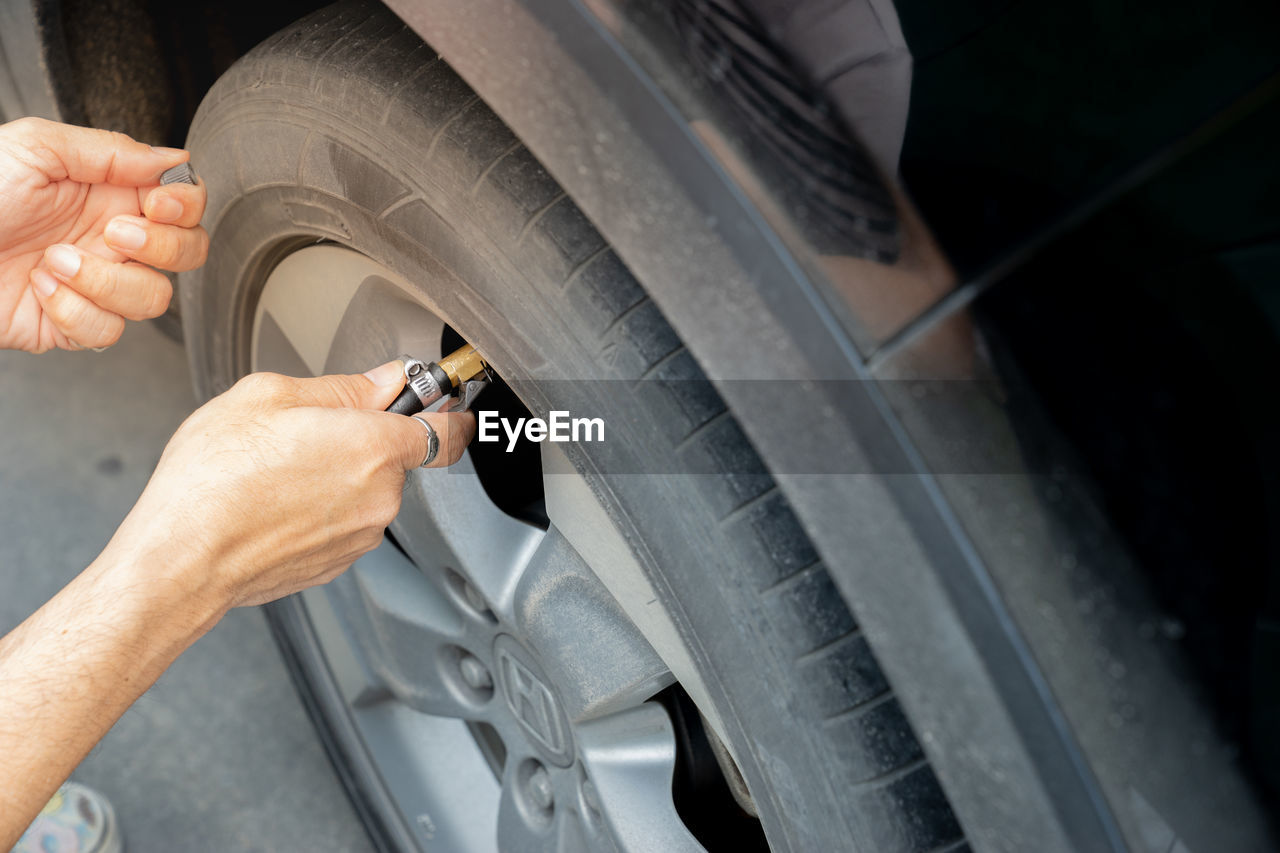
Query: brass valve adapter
{"x": 427, "y": 382}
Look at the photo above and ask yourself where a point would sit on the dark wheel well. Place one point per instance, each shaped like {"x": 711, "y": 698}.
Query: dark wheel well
{"x": 142, "y": 66}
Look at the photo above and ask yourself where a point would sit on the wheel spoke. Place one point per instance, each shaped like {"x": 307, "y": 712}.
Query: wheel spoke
{"x": 516, "y": 832}
{"x": 583, "y": 639}
{"x": 447, "y": 522}
{"x": 630, "y": 759}
{"x": 274, "y": 351}
{"x": 571, "y": 836}
{"x": 328, "y": 310}
{"x": 577, "y": 513}
{"x": 527, "y": 824}
{"x": 408, "y": 630}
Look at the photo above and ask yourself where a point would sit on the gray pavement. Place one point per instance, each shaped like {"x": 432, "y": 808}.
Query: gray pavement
{"x": 219, "y": 755}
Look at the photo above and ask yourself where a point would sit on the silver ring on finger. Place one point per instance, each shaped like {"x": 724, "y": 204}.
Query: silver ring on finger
{"x": 433, "y": 441}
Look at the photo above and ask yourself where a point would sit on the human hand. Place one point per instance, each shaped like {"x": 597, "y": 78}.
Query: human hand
{"x": 83, "y": 221}
{"x": 280, "y": 484}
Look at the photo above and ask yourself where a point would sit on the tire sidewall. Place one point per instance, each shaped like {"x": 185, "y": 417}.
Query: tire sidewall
{"x": 524, "y": 324}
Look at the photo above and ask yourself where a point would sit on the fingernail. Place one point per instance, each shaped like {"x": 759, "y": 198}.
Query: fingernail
{"x": 391, "y": 373}
{"x": 165, "y": 208}
{"x": 168, "y": 152}
{"x": 125, "y": 235}
{"x": 63, "y": 260}
{"x": 44, "y": 283}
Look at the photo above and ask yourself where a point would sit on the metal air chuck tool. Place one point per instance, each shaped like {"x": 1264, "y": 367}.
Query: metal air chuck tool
{"x": 462, "y": 374}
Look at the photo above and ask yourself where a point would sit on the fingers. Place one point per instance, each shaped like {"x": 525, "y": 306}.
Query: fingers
{"x": 373, "y": 390}
{"x": 79, "y": 319}
{"x": 169, "y": 235}
{"x": 411, "y": 439}
{"x": 402, "y": 440}
{"x": 174, "y": 204}
{"x": 133, "y": 291}
{"x": 93, "y": 156}
{"x": 168, "y": 247}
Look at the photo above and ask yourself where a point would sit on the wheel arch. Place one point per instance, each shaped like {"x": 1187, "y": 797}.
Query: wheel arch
{"x": 126, "y": 65}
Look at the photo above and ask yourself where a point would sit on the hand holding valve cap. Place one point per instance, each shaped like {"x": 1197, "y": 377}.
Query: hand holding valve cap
{"x": 102, "y": 219}
{"x": 182, "y": 173}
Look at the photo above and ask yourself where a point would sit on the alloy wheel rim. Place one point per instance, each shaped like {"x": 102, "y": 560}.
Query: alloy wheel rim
{"x": 495, "y": 682}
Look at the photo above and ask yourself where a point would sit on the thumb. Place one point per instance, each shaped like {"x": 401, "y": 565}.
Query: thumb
{"x": 373, "y": 390}
{"x": 94, "y": 156}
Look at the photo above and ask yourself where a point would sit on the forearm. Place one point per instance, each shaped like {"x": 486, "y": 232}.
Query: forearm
{"x": 229, "y": 518}
{"x": 70, "y": 670}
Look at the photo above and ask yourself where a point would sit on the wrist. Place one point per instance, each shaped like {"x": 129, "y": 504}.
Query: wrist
{"x": 165, "y": 586}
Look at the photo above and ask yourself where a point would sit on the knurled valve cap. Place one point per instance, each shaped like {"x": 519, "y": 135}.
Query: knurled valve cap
{"x": 179, "y": 174}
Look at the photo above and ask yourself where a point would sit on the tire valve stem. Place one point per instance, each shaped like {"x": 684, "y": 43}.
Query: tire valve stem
{"x": 462, "y": 374}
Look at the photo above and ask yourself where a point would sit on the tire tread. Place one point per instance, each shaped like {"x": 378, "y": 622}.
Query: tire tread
{"x": 836, "y": 688}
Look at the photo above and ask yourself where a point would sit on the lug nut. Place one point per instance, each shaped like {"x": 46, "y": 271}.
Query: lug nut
{"x": 474, "y": 598}
{"x": 538, "y": 787}
{"x": 474, "y": 673}
{"x": 589, "y": 795}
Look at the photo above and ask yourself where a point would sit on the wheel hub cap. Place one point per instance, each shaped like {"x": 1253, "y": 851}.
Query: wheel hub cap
{"x": 532, "y": 702}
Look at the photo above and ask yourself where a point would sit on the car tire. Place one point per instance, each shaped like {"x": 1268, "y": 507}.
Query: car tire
{"x": 346, "y": 128}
